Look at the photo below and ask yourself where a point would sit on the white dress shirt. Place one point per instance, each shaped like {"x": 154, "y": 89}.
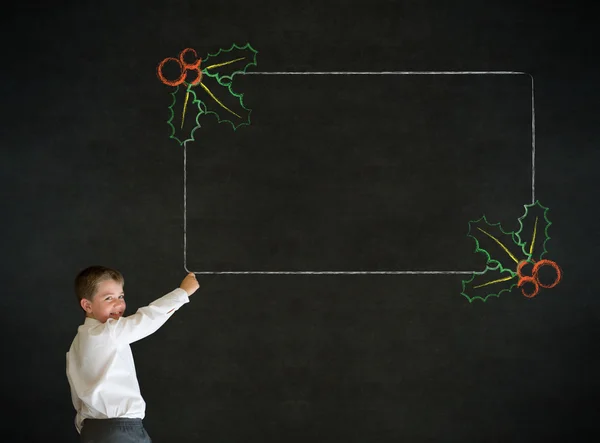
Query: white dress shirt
{"x": 100, "y": 366}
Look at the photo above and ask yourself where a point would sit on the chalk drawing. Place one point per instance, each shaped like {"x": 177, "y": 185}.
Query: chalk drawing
{"x": 364, "y": 272}
{"x": 518, "y": 250}
{"x": 211, "y": 90}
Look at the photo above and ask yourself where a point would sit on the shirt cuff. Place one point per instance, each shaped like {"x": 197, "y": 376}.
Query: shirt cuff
{"x": 182, "y": 295}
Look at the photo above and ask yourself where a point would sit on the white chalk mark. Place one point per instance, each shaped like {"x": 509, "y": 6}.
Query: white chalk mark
{"x": 388, "y": 73}
{"x": 400, "y": 272}
{"x": 185, "y": 207}
{"x": 532, "y": 142}
{"x": 335, "y": 272}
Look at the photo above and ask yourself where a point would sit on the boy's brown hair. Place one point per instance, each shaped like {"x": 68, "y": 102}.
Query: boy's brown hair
{"x": 86, "y": 282}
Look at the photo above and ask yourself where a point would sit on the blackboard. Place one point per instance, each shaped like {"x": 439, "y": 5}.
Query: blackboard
{"x": 329, "y": 236}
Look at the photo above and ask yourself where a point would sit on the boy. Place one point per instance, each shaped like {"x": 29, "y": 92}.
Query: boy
{"x": 100, "y": 367}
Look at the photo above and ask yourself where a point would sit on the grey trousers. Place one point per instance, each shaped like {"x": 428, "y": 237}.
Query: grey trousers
{"x": 114, "y": 430}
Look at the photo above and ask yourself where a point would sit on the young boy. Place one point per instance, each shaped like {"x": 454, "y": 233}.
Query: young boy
{"x": 100, "y": 367}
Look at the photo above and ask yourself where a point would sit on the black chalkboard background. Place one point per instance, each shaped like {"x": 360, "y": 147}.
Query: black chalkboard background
{"x": 89, "y": 176}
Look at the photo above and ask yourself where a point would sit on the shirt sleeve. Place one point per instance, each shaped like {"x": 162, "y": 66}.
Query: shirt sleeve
{"x": 147, "y": 319}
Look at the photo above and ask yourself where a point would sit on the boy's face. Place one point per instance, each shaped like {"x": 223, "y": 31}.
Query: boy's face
{"x": 108, "y": 302}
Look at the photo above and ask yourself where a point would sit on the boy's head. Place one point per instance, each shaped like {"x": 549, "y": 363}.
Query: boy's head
{"x": 100, "y": 292}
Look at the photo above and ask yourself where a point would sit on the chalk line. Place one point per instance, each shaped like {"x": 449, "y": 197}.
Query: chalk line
{"x": 185, "y": 207}
{"x": 399, "y": 272}
{"x": 386, "y": 73}
{"x": 335, "y": 272}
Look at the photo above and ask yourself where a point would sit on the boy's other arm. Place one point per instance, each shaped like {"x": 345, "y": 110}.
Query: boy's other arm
{"x": 149, "y": 318}
{"x": 74, "y": 398}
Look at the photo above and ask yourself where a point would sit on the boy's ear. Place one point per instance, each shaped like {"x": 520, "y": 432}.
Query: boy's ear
{"x": 86, "y": 305}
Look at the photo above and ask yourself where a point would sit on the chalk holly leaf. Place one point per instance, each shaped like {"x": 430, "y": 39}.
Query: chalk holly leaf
{"x": 228, "y": 62}
{"x": 501, "y": 248}
{"x": 491, "y": 282}
{"x": 225, "y": 107}
{"x": 184, "y": 113}
{"x": 533, "y": 231}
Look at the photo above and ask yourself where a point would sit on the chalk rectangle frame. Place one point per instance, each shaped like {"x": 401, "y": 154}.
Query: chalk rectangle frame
{"x": 406, "y": 272}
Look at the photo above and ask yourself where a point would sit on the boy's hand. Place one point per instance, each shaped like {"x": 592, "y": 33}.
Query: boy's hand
{"x": 190, "y": 284}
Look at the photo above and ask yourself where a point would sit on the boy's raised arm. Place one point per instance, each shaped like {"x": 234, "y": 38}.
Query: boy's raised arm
{"x": 149, "y": 318}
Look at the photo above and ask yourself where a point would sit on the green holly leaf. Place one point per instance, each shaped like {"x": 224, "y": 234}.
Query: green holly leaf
{"x": 533, "y": 231}
{"x": 226, "y": 63}
{"x": 184, "y": 114}
{"x": 501, "y": 248}
{"x": 491, "y": 282}
{"x": 221, "y": 102}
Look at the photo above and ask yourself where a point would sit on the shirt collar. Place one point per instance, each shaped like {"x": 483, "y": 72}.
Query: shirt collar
{"x": 89, "y": 321}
